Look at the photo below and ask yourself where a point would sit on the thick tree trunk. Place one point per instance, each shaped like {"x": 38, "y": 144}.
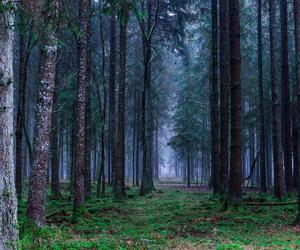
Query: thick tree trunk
{"x": 285, "y": 98}
{"x": 112, "y": 90}
{"x": 38, "y": 178}
{"x": 8, "y": 201}
{"x": 224, "y": 94}
{"x": 55, "y": 152}
{"x": 263, "y": 184}
{"x": 235, "y": 183}
{"x": 214, "y": 106}
{"x": 81, "y": 106}
{"x": 297, "y": 50}
{"x": 119, "y": 183}
{"x": 279, "y": 187}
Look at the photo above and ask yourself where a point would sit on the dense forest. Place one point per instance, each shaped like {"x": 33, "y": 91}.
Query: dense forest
{"x": 149, "y": 124}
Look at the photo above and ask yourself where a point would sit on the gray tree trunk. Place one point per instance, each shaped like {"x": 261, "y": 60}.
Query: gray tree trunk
{"x": 8, "y": 201}
{"x": 38, "y": 179}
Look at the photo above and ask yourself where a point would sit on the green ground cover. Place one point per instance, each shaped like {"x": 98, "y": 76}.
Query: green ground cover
{"x": 166, "y": 219}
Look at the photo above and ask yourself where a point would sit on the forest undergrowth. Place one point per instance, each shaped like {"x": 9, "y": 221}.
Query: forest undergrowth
{"x": 166, "y": 219}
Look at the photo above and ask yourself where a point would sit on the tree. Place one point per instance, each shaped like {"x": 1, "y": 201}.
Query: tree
{"x": 119, "y": 182}
{"x": 215, "y": 98}
{"x": 8, "y": 201}
{"x": 147, "y": 33}
{"x": 224, "y": 93}
{"x": 235, "y": 182}
{"x": 112, "y": 89}
{"x": 285, "y": 98}
{"x": 25, "y": 49}
{"x": 81, "y": 105}
{"x": 55, "y": 186}
{"x": 262, "y": 164}
{"x": 297, "y": 51}
{"x": 277, "y": 152}
{"x": 38, "y": 178}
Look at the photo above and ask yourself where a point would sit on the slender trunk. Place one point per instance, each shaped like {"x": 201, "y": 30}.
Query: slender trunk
{"x": 137, "y": 160}
{"x": 214, "y": 108}
{"x": 20, "y": 114}
{"x": 38, "y": 178}
{"x": 156, "y": 155}
{"x": 102, "y": 110}
{"x": 134, "y": 134}
{"x": 224, "y": 94}
{"x": 147, "y": 178}
{"x": 297, "y": 50}
{"x": 119, "y": 183}
{"x": 88, "y": 115}
{"x": 8, "y": 201}
{"x": 81, "y": 106}
{"x": 262, "y": 131}
{"x": 188, "y": 164}
{"x": 235, "y": 183}
{"x": 276, "y": 130}
{"x": 285, "y": 98}
{"x": 112, "y": 90}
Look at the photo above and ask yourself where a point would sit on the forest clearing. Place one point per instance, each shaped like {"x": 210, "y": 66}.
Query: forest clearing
{"x": 169, "y": 218}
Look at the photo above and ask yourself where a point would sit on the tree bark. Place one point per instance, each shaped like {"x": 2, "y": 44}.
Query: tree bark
{"x": 55, "y": 152}
{"x": 147, "y": 32}
{"x": 81, "y": 106}
{"x": 224, "y": 94}
{"x": 8, "y": 201}
{"x": 214, "y": 108}
{"x": 112, "y": 90}
{"x": 263, "y": 184}
{"x": 235, "y": 183}
{"x": 297, "y": 52}
{"x": 279, "y": 187}
{"x": 38, "y": 178}
{"x": 119, "y": 185}
{"x": 285, "y": 98}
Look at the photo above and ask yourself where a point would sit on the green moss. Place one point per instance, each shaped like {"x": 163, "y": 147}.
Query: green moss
{"x": 166, "y": 220}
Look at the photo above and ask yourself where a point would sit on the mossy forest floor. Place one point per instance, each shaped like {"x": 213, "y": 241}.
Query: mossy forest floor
{"x": 167, "y": 219}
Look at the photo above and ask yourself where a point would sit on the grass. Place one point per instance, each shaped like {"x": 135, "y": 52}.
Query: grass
{"x": 166, "y": 219}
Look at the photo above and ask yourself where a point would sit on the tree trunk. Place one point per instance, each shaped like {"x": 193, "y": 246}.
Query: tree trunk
{"x": 81, "y": 106}
{"x": 38, "y": 179}
{"x": 235, "y": 183}
{"x": 137, "y": 160}
{"x": 224, "y": 94}
{"x": 263, "y": 185}
{"x": 156, "y": 175}
{"x": 276, "y": 132}
{"x": 285, "y": 98}
{"x": 55, "y": 155}
{"x": 215, "y": 99}
{"x": 8, "y": 201}
{"x": 297, "y": 50}
{"x": 87, "y": 167}
{"x": 119, "y": 185}
{"x": 147, "y": 178}
{"x": 20, "y": 114}
{"x": 112, "y": 90}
